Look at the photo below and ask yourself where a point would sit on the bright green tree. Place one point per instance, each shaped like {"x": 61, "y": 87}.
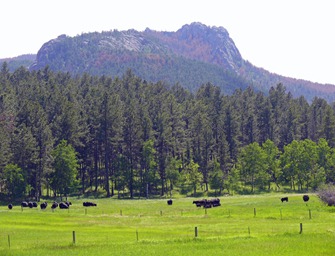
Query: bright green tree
{"x": 290, "y": 163}
{"x": 192, "y": 176}
{"x": 172, "y": 172}
{"x": 65, "y": 166}
{"x": 273, "y": 163}
{"x": 14, "y": 181}
{"x": 252, "y": 165}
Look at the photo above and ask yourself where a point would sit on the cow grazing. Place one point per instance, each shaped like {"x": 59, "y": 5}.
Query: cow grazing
{"x": 305, "y": 198}
{"x": 43, "y": 205}
{"x": 24, "y": 204}
{"x": 169, "y": 202}
{"x": 284, "y": 199}
{"x": 88, "y": 204}
{"x": 32, "y": 204}
{"x": 10, "y": 206}
{"x": 54, "y": 205}
{"x": 215, "y": 202}
{"x": 63, "y": 205}
{"x": 199, "y": 203}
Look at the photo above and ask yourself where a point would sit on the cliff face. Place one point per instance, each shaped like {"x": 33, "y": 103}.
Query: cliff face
{"x": 191, "y": 56}
{"x": 208, "y": 44}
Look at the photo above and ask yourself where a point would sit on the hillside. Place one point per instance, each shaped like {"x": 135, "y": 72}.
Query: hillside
{"x": 193, "y": 55}
{"x": 14, "y": 63}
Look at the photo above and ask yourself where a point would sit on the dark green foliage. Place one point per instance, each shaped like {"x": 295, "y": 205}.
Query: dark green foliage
{"x": 129, "y": 137}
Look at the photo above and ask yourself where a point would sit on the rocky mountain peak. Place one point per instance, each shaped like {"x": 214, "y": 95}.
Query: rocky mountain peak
{"x": 221, "y": 48}
{"x": 192, "y": 55}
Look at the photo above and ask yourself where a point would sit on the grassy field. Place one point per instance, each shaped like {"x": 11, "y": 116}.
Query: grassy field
{"x": 242, "y": 225}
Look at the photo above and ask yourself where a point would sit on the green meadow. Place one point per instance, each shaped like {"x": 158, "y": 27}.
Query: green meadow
{"x": 242, "y": 225}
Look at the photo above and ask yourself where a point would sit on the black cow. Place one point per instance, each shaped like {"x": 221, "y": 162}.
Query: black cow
{"x": 10, "y": 206}
{"x": 305, "y": 198}
{"x": 215, "y": 202}
{"x": 43, "y": 205}
{"x": 207, "y": 205}
{"x": 169, "y": 202}
{"x": 63, "y": 205}
{"x": 32, "y": 204}
{"x": 200, "y": 203}
{"x": 54, "y": 205}
{"x": 24, "y": 204}
{"x": 284, "y": 199}
{"x": 87, "y": 204}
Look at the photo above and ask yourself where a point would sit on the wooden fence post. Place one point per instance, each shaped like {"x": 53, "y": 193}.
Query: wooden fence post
{"x": 196, "y": 231}
{"x": 300, "y": 228}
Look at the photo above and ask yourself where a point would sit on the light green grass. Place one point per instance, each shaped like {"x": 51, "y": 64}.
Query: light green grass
{"x": 243, "y": 225}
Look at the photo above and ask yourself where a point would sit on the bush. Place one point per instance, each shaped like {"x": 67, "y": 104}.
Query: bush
{"x": 327, "y": 194}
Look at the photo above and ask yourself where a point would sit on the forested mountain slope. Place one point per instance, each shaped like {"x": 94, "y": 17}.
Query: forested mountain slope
{"x": 193, "y": 55}
{"x": 14, "y": 63}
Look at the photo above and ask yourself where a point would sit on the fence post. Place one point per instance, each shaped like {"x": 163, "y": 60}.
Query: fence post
{"x": 196, "y": 231}
{"x": 74, "y": 237}
{"x": 300, "y": 228}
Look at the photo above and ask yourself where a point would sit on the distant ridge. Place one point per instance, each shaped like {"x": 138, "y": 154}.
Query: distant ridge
{"x": 193, "y": 55}
{"x": 25, "y": 60}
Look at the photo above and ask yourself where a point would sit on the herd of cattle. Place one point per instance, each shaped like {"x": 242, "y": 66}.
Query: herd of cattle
{"x": 206, "y": 203}
{"x": 209, "y": 203}
{"x": 44, "y": 205}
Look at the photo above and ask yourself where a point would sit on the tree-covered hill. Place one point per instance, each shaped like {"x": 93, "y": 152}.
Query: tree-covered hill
{"x": 191, "y": 56}
{"x": 14, "y": 63}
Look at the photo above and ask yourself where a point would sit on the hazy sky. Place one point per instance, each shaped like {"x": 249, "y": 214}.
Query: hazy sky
{"x": 294, "y": 38}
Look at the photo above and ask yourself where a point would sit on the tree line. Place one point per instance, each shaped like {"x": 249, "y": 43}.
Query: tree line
{"x": 61, "y": 134}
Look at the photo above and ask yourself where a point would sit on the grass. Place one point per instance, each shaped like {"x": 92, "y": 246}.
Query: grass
{"x": 242, "y": 225}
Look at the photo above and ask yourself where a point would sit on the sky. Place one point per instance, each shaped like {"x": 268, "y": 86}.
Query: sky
{"x": 294, "y": 38}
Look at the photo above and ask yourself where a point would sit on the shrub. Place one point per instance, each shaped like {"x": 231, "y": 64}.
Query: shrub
{"x": 327, "y": 194}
